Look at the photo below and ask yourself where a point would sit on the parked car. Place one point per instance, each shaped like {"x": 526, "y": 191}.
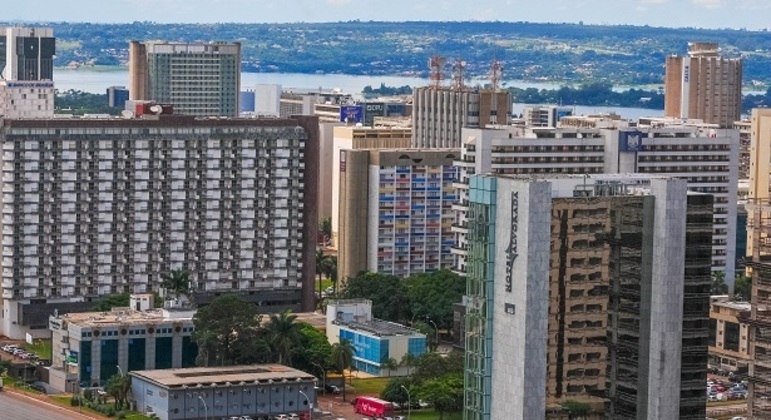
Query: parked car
{"x": 333, "y": 389}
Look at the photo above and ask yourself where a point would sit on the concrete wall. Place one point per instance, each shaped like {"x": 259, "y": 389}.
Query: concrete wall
{"x": 520, "y": 308}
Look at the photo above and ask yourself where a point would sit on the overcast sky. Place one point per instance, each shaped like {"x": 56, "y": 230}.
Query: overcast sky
{"x": 749, "y": 14}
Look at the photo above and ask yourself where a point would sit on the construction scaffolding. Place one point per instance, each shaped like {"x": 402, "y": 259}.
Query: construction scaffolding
{"x": 759, "y": 232}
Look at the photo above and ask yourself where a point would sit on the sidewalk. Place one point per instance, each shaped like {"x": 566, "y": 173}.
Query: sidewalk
{"x": 45, "y": 400}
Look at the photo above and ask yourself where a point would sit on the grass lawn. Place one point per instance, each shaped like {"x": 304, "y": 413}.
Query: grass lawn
{"x": 42, "y": 348}
{"x": 370, "y": 386}
{"x": 324, "y": 283}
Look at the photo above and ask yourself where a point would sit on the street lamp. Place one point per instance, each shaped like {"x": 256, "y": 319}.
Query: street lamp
{"x": 436, "y": 331}
{"x": 409, "y": 401}
{"x": 205, "y": 408}
{"x": 119, "y": 370}
{"x": 323, "y": 377}
{"x": 310, "y": 404}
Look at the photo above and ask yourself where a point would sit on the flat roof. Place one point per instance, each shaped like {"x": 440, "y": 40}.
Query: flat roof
{"x": 125, "y": 316}
{"x": 380, "y": 327}
{"x": 222, "y": 375}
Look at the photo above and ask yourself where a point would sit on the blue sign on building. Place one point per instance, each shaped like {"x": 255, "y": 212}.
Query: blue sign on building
{"x": 351, "y": 114}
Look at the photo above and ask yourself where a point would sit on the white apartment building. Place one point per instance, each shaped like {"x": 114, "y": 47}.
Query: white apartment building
{"x": 26, "y": 72}
{"x": 706, "y": 157}
{"x": 94, "y": 207}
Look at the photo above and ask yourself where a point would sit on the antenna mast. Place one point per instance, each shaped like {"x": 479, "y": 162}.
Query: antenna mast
{"x": 457, "y": 74}
{"x": 435, "y": 65}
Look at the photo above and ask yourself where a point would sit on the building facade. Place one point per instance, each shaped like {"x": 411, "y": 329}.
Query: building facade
{"x": 703, "y": 85}
{"x": 729, "y": 347}
{"x": 759, "y": 164}
{"x": 94, "y": 207}
{"x": 374, "y": 341}
{"x": 202, "y": 80}
{"x": 91, "y": 347}
{"x": 706, "y": 157}
{"x": 395, "y": 211}
{"x": 545, "y": 115}
{"x": 439, "y": 114}
{"x": 258, "y": 391}
{"x": 346, "y": 137}
{"x": 26, "y": 72}
{"x": 117, "y": 96}
{"x": 612, "y": 305}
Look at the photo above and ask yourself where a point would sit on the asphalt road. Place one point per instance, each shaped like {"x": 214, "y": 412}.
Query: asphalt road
{"x": 18, "y": 407}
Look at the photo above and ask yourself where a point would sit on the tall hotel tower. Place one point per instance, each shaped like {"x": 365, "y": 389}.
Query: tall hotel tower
{"x": 26, "y": 72}
{"x": 202, "y": 80}
{"x": 96, "y": 207}
{"x": 704, "y": 85}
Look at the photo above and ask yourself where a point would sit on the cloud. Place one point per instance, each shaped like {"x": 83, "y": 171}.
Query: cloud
{"x": 653, "y": 2}
{"x": 338, "y": 3}
{"x": 709, "y": 4}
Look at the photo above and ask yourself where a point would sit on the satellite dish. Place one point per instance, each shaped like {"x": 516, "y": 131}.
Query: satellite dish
{"x": 156, "y": 109}
{"x": 127, "y": 114}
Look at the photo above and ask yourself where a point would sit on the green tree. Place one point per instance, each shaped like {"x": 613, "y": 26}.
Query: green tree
{"x": 387, "y": 293}
{"x": 223, "y": 326}
{"x": 718, "y": 283}
{"x": 743, "y": 287}
{"x": 283, "y": 335}
{"x": 389, "y": 364}
{"x": 432, "y": 295}
{"x": 325, "y": 227}
{"x": 394, "y": 392}
{"x": 329, "y": 268}
{"x": 434, "y": 365}
{"x": 176, "y": 283}
{"x": 445, "y": 393}
{"x": 314, "y": 351}
{"x": 342, "y": 358}
{"x": 118, "y": 387}
{"x": 429, "y": 331}
{"x": 408, "y": 361}
{"x": 108, "y": 302}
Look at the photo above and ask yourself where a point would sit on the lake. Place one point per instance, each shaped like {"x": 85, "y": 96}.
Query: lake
{"x": 98, "y": 79}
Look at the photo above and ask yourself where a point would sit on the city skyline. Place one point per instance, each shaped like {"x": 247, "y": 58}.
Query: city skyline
{"x": 737, "y": 14}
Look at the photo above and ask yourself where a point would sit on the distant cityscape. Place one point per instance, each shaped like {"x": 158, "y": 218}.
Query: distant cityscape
{"x": 188, "y": 245}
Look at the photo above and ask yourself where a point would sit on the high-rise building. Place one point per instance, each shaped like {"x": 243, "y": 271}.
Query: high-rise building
{"x": 545, "y": 115}
{"x": 267, "y": 100}
{"x": 759, "y": 264}
{"x": 703, "y": 85}
{"x": 705, "y": 157}
{"x": 605, "y": 274}
{"x": 117, "y": 96}
{"x": 439, "y": 114}
{"x": 26, "y": 72}
{"x": 395, "y": 211}
{"x": 94, "y": 207}
{"x": 198, "y": 79}
{"x": 352, "y": 138}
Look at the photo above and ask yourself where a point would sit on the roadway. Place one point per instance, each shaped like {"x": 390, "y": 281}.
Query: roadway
{"x": 19, "y": 407}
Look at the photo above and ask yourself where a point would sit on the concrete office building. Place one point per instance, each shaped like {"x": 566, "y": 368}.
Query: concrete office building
{"x": 439, "y": 114}
{"x": 117, "y": 96}
{"x": 706, "y": 157}
{"x": 374, "y": 340}
{"x": 729, "y": 345}
{"x": 90, "y": 347}
{"x": 759, "y": 164}
{"x": 703, "y": 85}
{"x": 545, "y": 115}
{"x": 647, "y": 338}
{"x": 267, "y": 100}
{"x": 395, "y": 211}
{"x": 26, "y": 72}
{"x": 93, "y": 207}
{"x": 202, "y": 80}
{"x": 346, "y": 137}
{"x": 258, "y": 391}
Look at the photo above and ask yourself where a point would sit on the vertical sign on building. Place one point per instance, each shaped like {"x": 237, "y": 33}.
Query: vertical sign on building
{"x": 685, "y": 88}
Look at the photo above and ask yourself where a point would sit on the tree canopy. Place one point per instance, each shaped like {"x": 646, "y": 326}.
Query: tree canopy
{"x": 224, "y": 326}
{"x": 387, "y": 293}
{"x": 432, "y": 295}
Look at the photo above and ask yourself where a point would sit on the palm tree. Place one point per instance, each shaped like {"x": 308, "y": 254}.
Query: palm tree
{"x": 283, "y": 335}
{"x": 330, "y": 270}
{"x": 119, "y": 386}
{"x": 177, "y": 282}
{"x": 342, "y": 358}
{"x": 389, "y": 363}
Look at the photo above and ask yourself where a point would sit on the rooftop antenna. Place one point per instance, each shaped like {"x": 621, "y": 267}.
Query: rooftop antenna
{"x": 496, "y": 73}
{"x": 435, "y": 65}
{"x": 457, "y": 74}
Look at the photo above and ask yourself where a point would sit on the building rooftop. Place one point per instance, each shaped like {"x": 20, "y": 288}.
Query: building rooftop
{"x": 379, "y": 327}
{"x": 724, "y": 301}
{"x": 222, "y": 375}
{"x": 123, "y": 316}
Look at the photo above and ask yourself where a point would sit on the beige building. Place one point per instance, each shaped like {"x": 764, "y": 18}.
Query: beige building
{"x": 395, "y": 211}
{"x": 439, "y": 114}
{"x": 26, "y": 72}
{"x": 355, "y": 138}
{"x": 759, "y": 162}
{"x": 729, "y": 347}
{"x": 703, "y": 85}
